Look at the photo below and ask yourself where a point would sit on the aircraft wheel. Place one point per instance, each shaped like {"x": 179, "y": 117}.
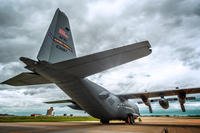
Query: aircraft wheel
{"x": 130, "y": 120}
{"x": 104, "y": 121}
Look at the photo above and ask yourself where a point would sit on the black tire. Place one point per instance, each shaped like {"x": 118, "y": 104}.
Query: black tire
{"x": 130, "y": 120}
{"x": 104, "y": 121}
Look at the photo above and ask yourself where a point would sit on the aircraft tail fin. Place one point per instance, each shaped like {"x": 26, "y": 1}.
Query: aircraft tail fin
{"x": 58, "y": 43}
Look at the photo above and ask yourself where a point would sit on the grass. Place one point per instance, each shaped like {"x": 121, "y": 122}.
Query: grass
{"x": 56, "y": 118}
{"x": 45, "y": 118}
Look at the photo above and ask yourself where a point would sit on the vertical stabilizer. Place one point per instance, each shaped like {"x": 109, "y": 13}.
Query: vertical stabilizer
{"x": 58, "y": 44}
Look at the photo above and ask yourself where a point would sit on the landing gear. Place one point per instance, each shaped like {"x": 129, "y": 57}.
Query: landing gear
{"x": 103, "y": 121}
{"x": 130, "y": 120}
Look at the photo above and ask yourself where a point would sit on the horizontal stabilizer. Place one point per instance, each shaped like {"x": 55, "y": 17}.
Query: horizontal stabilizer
{"x": 26, "y": 78}
{"x": 87, "y": 65}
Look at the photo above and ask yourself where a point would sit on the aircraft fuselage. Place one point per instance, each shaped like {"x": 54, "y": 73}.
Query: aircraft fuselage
{"x": 91, "y": 97}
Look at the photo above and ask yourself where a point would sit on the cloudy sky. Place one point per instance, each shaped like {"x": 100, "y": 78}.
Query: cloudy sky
{"x": 171, "y": 26}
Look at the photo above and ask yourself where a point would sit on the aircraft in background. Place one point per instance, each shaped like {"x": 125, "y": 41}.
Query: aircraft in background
{"x": 57, "y": 63}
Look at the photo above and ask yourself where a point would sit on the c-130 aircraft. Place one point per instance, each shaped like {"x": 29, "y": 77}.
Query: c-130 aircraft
{"x": 57, "y": 63}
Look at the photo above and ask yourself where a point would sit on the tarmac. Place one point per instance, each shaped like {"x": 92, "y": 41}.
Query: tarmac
{"x": 148, "y": 125}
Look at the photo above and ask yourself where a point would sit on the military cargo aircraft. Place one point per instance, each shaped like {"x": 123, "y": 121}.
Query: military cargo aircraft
{"x": 57, "y": 63}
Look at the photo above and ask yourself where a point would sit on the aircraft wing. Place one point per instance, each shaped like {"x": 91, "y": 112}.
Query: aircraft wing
{"x": 73, "y": 104}
{"x": 26, "y": 78}
{"x": 94, "y": 63}
{"x": 60, "y": 101}
{"x": 169, "y": 92}
{"x": 171, "y": 99}
{"x": 181, "y": 93}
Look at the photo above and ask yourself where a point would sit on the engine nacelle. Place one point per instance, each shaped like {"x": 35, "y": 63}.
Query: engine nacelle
{"x": 164, "y": 103}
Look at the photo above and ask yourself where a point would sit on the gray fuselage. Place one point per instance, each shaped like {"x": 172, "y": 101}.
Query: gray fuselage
{"x": 91, "y": 97}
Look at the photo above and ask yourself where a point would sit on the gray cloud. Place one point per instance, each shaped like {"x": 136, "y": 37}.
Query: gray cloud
{"x": 10, "y": 16}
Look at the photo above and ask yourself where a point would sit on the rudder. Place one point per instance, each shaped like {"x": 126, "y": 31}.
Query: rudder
{"x": 58, "y": 43}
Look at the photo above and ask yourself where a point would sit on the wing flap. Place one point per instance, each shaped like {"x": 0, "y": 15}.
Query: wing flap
{"x": 26, "y": 78}
{"x": 94, "y": 63}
